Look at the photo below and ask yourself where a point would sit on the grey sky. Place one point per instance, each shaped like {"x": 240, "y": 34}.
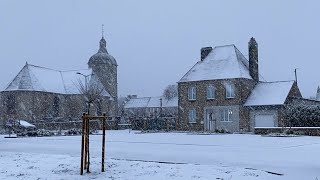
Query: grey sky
{"x": 156, "y": 42}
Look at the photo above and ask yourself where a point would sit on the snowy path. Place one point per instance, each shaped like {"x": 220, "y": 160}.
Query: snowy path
{"x": 295, "y": 157}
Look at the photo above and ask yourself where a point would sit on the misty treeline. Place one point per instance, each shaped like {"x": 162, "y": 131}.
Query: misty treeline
{"x": 170, "y": 91}
{"x": 303, "y": 115}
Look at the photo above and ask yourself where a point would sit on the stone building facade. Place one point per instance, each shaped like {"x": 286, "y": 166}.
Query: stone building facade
{"x": 205, "y": 106}
{"x": 38, "y": 94}
{"x": 224, "y": 91}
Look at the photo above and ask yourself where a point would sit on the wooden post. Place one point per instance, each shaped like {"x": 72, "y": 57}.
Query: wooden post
{"x": 86, "y": 145}
{"x": 85, "y": 152}
{"x": 88, "y": 150}
{"x": 103, "y": 140}
{"x": 144, "y": 124}
{"x": 82, "y": 143}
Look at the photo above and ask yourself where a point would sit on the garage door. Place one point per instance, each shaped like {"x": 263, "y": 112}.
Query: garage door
{"x": 264, "y": 120}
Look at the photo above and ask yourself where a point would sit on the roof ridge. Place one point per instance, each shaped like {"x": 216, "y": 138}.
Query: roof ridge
{"x": 190, "y": 70}
{"x": 239, "y": 59}
{"x": 224, "y": 45}
{"x": 11, "y": 82}
{"x": 276, "y": 81}
{"x": 57, "y": 69}
{"x": 41, "y": 67}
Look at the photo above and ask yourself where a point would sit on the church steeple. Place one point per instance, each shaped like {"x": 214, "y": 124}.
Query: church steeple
{"x": 103, "y": 43}
{"x": 103, "y": 46}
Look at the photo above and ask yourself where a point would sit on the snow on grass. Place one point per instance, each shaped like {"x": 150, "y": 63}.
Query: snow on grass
{"x": 163, "y": 156}
{"x": 42, "y": 166}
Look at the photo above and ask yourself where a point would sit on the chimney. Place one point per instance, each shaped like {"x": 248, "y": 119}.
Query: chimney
{"x": 318, "y": 94}
{"x": 132, "y": 96}
{"x": 253, "y": 59}
{"x": 205, "y": 52}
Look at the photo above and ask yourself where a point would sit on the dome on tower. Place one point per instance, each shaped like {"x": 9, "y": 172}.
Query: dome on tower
{"x": 102, "y": 56}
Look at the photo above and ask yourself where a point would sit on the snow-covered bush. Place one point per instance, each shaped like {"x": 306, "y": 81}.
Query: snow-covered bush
{"x": 73, "y": 131}
{"x": 303, "y": 116}
{"x": 43, "y": 132}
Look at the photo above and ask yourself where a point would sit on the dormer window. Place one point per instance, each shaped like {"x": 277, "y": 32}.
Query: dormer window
{"x": 192, "y": 93}
{"x": 211, "y": 92}
{"x": 230, "y": 90}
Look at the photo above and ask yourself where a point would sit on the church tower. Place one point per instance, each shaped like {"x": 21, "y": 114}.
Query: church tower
{"x": 104, "y": 66}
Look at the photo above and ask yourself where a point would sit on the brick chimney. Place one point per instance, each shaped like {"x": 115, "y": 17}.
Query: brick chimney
{"x": 205, "y": 52}
{"x": 253, "y": 59}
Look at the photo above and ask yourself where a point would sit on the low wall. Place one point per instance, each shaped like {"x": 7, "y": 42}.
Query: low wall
{"x": 94, "y": 124}
{"x": 153, "y": 124}
{"x": 309, "y": 131}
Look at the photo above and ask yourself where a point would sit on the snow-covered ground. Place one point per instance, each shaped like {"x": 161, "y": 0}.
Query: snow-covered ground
{"x": 163, "y": 156}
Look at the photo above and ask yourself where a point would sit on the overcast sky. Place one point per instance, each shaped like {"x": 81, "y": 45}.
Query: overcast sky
{"x": 156, "y": 42}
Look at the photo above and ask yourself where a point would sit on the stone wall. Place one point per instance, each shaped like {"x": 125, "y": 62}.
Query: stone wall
{"x": 42, "y": 106}
{"x": 94, "y": 124}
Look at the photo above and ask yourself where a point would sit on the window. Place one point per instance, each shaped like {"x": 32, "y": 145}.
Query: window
{"x": 192, "y": 116}
{"x": 211, "y": 92}
{"x": 192, "y": 93}
{"x": 56, "y": 103}
{"x": 226, "y": 115}
{"x": 230, "y": 90}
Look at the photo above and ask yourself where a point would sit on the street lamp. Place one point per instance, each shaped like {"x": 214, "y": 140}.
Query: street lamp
{"x": 160, "y": 107}
{"x": 85, "y": 77}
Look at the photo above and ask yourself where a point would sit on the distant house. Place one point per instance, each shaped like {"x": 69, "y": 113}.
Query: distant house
{"x": 224, "y": 91}
{"x": 150, "y": 106}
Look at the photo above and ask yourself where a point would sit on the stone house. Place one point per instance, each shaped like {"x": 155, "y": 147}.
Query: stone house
{"x": 224, "y": 91}
{"x": 150, "y": 106}
{"x": 40, "y": 94}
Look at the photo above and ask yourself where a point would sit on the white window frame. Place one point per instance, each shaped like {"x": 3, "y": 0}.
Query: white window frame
{"x": 213, "y": 92}
{"x": 192, "y": 116}
{"x": 227, "y": 115}
{"x": 192, "y": 93}
{"x": 230, "y": 90}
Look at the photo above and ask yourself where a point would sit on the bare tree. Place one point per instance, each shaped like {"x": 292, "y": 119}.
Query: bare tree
{"x": 170, "y": 91}
{"x": 92, "y": 92}
{"x": 121, "y": 103}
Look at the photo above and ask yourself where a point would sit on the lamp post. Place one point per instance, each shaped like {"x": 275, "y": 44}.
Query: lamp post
{"x": 160, "y": 107}
{"x": 86, "y": 86}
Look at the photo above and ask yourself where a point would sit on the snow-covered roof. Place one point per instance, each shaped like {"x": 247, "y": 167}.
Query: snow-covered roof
{"x": 145, "y": 102}
{"x": 137, "y": 102}
{"x": 155, "y": 102}
{"x": 36, "y": 78}
{"x": 25, "y": 124}
{"x": 173, "y": 102}
{"x": 269, "y": 93}
{"x": 223, "y": 62}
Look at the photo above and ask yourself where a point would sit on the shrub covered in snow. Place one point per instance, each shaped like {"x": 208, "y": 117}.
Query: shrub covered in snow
{"x": 303, "y": 116}
{"x": 43, "y": 132}
{"x": 73, "y": 131}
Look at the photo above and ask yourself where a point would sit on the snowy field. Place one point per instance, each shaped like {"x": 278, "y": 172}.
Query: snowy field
{"x": 164, "y": 156}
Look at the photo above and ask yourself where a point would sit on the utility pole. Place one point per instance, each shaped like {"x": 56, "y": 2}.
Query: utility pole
{"x": 160, "y": 107}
